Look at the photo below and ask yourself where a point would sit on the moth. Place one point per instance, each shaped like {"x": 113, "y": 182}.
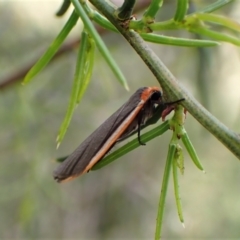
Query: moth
{"x": 129, "y": 118}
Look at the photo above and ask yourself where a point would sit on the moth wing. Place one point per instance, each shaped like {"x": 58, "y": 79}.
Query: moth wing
{"x": 78, "y": 161}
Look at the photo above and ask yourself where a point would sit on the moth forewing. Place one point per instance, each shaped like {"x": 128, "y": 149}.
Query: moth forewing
{"x": 118, "y": 125}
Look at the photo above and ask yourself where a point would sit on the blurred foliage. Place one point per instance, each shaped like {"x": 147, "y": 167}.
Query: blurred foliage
{"x": 119, "y": 200}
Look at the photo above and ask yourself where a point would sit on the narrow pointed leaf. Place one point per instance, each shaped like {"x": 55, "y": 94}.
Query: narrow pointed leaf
{"x": 216, "y": 5}
{"x": 128, "y": 146}
{"x": 153, "y": 8}
{"x": 164, "y": 25}
{"x": 182, "y": 7}
{"x": 216, "y": 35}
{"x": 162, "y": 200}
{"x": 65, "y": 5}
{"x": 132, "y": 145}
{"x": 180, "y": 159}
{"x": 79, "y": 73}
{"x": 103, "y": 22}
{"x": 61, "y": 159}
{"x": 175, "y": 183}
{"x": 191, "y": 151}
{"x": 98, "y": 18}
{"x": 218, "y": 19}
{"x": 87, "y": 68}
{"x": 44, "y": 60}
{"x": 182, "y": 42}
{"x": 100, "y": 44}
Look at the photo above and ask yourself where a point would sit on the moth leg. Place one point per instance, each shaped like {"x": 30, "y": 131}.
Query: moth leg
{"x": 139, "y": 129}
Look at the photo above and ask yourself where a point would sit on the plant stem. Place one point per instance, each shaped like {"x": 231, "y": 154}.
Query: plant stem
{"x": 171, "y": 86}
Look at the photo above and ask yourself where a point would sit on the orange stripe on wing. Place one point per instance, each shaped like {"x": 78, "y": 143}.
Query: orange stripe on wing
{"x": 119, "y": 131}
{"x": 114, "y": 137}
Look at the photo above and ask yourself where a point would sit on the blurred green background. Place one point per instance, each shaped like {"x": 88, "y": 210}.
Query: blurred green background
{"x": 119, "y": 201}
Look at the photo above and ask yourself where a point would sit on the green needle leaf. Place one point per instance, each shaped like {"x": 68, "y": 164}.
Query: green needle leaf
{"x": 146, "y": 137}
{"x": 218, "y": 19}
{"x": 214, "y": 6}
{"x": 87, "y": 68}
{"x": 100, "y": 44}
{"x": 180, "y": 159}
{"x": 191, "y": 151}
{"x": 98, "y": 18}
{"x": 182, "y": 42}
{"x": 176, "y": 161}
{"x": 78, "y": 86}
{"x": 182, "y": 7}
{"x": 159, "y": 26}
{"x": 162, "y": 200}
{"x": 132, "y": 145}
{"x": 44, "y": 60}
{"x": 102, "y": 21}
{"x": 61, "y": 159}
{"x": 216, "y": 35}
{"x": 152, "y": 9}
{"x": 63, "y": 8}
{"x": 127, "y": 147}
